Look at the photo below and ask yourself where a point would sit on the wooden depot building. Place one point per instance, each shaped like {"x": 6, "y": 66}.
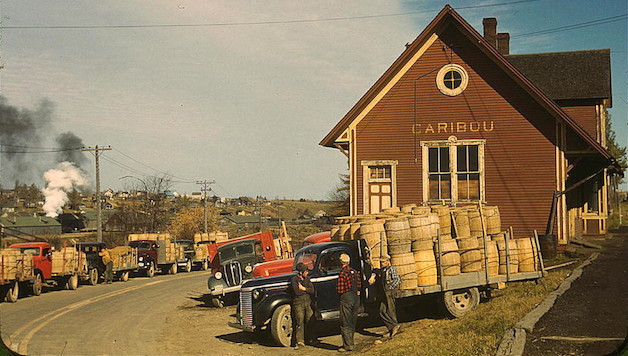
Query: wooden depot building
{"x": 456, "y": 119}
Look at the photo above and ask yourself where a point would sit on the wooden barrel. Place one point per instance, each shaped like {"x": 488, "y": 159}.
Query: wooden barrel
{"x": 366, "y": 218}
{"x": 420, "y": 228}
{"x": 397, "y": 229}
{"x": 512, "y": 256}
{"x": 493, "y": 221}
{"x": 354, "y": 231}
{"x": 425, "y": 267}
{"x": 343, "y": 232}
{"x": 375, "y": 237}
{"x": 500, "y": 236}
{"x": 420, "y": 245}
{"x": 450, "y": 262}
{"x": 399, "y": 247}
{"x": 526, "y": 256}
{"x": 392, "y": 210}
{"x": 444, "y": 218}
{"x": 470, "y": 256}
{"x": 461, "y": 223}
{"x": 342, "y": 220}
{"x": 334, "y": 232}
{"x": 434, "y": 225}
{"x": 421, "y": 210}
{"x": 406, "y": 268}
{"x": 408, "y": 208}
{"x": 493, "y": 258}
{"x": 475, "y": 222}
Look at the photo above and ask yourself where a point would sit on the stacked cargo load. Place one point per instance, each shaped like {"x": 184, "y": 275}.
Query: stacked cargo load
{"x": 68, "y": 261}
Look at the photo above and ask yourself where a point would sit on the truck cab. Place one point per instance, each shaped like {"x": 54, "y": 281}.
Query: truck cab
{"x": 94, "y": 262}
{"x": 274, "y": 268}
{"x": 234, "y": 262}
{"x": 42, "y": 256}
{"x": 147, "y": 255}
{"x": 189, "y": 254}
{"x": 266, "y": 301}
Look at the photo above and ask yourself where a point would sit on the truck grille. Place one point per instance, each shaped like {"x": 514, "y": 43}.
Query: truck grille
{"x": 233, "y": 274}
{"x": 246, "y": 308}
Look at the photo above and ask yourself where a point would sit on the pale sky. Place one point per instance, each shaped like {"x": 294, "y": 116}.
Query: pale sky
{"x": 246, "y": 104}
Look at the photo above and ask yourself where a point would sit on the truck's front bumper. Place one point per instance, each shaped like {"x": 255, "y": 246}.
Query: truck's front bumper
{"x": 220, "y": 290}
{"x": 248, "y": 329}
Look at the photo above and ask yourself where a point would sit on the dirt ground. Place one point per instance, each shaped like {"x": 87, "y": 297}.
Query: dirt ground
{"x": 595, "y": 307}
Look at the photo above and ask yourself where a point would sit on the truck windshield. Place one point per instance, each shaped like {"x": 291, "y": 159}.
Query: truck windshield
{"x": 144, "y": 245}
{"x": 309, "y": 259}
{"x": 30, "y": 250}
{"x": 244, "y": 250}
{"x": 226, "y": 254}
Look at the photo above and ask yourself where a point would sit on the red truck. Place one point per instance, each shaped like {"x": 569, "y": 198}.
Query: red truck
{"x": 58, "y": 268}
{"x": 274, "y": 268}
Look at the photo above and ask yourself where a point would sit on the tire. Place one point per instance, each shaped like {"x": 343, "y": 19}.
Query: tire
{"x": 218, "y": 302}
{"x": 459, "y": 302}
{"x": 37, "y": 285}
{"x": 93, "y": 276}
{"x": 150, "y": 271}
{"x": 124, "y": 276}
{"x": 205, "y": 265}
{"x": 173, "y": 269}
{"x": 281, "y": 325}
{"x": 188, "y": 266}
{"x": 12, "y": 293}
{"x": 72, "y": 283}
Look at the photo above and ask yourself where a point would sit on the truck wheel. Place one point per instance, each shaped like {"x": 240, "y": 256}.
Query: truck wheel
{"x": 72, "y": 282}
{"x": 12, "y": 293}
{"x": 93, "y": 276}
{"x": 205, "y": 265}
{"x": 188, "y": 266}
{"x": 459, "y": 302}
{"x": 174, "y": 268}
{"x": 124, "y": 276}
{"x": 218, "y": 302}
{"x": 37, "y": 285}
{"x": 150, "y": 271}
{"x": 281, "y": 325}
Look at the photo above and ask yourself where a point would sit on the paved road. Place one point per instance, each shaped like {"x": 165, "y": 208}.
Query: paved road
{"x": 119, "y": 318}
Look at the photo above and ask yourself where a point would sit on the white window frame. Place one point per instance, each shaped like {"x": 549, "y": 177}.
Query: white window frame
{"x": 366, "y": 179}
{"x": 453, "y": 166}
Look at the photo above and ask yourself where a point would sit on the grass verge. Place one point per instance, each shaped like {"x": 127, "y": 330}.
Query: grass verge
{"x": 477, "y": 333}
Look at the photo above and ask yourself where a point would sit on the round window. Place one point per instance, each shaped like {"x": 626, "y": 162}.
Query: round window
{"x": 452, "y": 79}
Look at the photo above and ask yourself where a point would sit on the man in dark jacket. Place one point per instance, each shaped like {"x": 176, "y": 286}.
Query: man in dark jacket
{"x": 387, "y": 281}
{"x": 349, "y": 285}
{"x": 302, "y": 288}
{"x": 108, "y": 262}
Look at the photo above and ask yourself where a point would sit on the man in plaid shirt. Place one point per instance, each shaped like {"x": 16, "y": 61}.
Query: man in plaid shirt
{"x": 388, "y": 281}
{"x": 349, "y": 285}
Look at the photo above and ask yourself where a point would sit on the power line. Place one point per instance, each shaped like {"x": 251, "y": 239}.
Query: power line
{"x": 574, "y": 26}
{"x": 254, "y": 23}
{"x": 149, "y": 167}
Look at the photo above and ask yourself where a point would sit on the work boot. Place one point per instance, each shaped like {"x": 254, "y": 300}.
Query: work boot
{"x": 395, "y": 330}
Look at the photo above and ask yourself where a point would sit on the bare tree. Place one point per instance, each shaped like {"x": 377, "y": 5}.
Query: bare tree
{"x": 147, "y": 208}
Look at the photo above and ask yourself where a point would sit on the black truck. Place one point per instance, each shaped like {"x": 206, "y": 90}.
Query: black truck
{"x": 265, "y": 302}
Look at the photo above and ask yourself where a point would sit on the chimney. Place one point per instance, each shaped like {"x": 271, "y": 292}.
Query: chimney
{"x": 490, "y": 30}
{"x": 503, "y": 43}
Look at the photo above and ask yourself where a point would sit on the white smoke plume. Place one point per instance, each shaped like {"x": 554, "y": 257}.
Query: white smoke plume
{"x": 59, "y": 182}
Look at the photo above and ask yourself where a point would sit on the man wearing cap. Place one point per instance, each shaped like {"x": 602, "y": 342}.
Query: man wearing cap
{"x": 349, "y": 285}
{"x": 302, "y": 288}
{"x": 387, "y": 281}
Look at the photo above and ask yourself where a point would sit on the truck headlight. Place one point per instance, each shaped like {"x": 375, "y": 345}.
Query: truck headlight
{"x": 248, "y": 269}
{"x": 218, "y": 275}
{"x": 141, "y": 258}
{"x": 257, "y": 293}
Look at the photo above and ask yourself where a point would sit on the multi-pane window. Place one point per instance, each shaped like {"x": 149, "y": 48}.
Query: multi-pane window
{"x": 452, "y": 79}
{"x": 454, "y": 170}
{"x": 379, "y": 172}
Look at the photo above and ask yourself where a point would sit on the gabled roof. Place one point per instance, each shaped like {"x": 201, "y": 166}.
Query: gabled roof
{"x": 28, "y": 221}
{"x": 449, "y": 17}
{"x": 568, "y": 75}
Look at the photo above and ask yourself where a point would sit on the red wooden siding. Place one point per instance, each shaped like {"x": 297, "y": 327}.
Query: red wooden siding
{"x": 519, "y": 153}
{"x": 585, "y": 116}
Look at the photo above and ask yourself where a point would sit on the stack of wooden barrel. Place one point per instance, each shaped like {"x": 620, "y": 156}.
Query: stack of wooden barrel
{"x": 421, "y": 240}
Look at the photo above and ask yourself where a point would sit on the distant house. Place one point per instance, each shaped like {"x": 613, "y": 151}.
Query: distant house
{"x": 32, "y": 225}
{"x": 8, "y": 207}
{"x": 109, "y": 193}
{"x": 319, "y": 214}
{"x": 235, "y": 220}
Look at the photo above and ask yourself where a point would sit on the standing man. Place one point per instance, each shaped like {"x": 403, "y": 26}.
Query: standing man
{"x": 302, "y": 288}
{"x": 108, "y": 262}
{"x": 349, "y": 285}
{"x": 387, "y": 281}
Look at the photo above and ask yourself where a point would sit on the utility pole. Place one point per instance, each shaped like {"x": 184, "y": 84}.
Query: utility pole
{"x": 205, "y": 189}
{"x": 97, "y": 152}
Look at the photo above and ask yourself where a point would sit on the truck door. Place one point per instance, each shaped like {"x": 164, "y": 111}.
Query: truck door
{"x": 45, "y": 262}
{"x": 325, "y": 281}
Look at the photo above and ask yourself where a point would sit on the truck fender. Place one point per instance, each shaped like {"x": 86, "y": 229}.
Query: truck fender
{"x": 213, "y": 283}
{"x": 266, "y": 309}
